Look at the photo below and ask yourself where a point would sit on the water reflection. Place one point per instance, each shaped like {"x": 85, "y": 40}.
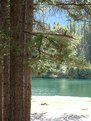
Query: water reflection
{"x": 61, "y": 87}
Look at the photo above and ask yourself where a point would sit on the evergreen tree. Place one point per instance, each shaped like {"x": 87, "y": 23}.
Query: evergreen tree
{"x": 28, "y": 46}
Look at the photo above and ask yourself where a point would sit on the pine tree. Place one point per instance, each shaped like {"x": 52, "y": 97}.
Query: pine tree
{"x": 27, "y": 59}
{"x": 16, "y": 61}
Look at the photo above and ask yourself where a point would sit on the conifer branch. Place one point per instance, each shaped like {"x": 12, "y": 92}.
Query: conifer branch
{"x": 50, "y": 33}
{"x": 61, "y": 4}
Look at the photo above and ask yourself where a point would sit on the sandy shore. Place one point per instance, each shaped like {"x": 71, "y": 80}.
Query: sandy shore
{"x": 50, "y": 108}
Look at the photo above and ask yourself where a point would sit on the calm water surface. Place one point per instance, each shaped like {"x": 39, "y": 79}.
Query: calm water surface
{"x": 61, "y": 87}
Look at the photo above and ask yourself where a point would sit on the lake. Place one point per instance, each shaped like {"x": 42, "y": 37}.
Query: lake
{"x": 61, "y": 87}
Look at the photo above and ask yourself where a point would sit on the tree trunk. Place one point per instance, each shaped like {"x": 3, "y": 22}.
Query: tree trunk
{"x": 0, "y": 91}
{"x": 3, "y": 29}
{"x": 16, "y": 61}
{"x": 27, "y": 70}
{"x": 27, "y": 94}
{"x": 1, "y": 79}
{"x": 5, "y": 84}
{"x": 1, "y": 70}
{"x": 6, "y": 88}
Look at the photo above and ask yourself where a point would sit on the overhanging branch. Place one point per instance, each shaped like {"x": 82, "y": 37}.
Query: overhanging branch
{"x": 49, "y": 33}
{"x": 77, "y": 4}
{"x": 60, "y": 4}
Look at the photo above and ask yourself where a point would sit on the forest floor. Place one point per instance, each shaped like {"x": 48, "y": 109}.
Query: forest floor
{"x": 61, "y": 108}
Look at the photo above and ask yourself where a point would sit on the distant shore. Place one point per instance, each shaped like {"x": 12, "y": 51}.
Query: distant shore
{"x": 46, "y": 108}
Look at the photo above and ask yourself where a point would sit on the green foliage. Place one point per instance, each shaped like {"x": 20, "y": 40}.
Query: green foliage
{"x": 79, "y": 73}
{"x": 49, "y": 51}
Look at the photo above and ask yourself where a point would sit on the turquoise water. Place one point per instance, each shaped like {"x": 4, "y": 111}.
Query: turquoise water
{"x": 61, "y": 87}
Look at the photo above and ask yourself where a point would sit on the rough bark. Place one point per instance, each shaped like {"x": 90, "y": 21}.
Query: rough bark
{"x": 0, "y": 92}
{"x": 1, "y": 79}
{"x": 6, "y": 88}
{"x": 27, "y": 94}
{"x": 5, "y": 83}
{"x": 27, "y": 70}
{"x": 16, "y": 62}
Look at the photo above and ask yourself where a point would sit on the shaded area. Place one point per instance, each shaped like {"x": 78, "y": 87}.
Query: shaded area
{"x": 64, "y": 117}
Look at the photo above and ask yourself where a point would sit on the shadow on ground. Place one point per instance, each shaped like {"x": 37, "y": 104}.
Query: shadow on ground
{"x": 63, "y": 117}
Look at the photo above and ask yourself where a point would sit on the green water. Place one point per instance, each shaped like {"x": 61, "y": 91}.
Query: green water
{"x": 61, "y": 87}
